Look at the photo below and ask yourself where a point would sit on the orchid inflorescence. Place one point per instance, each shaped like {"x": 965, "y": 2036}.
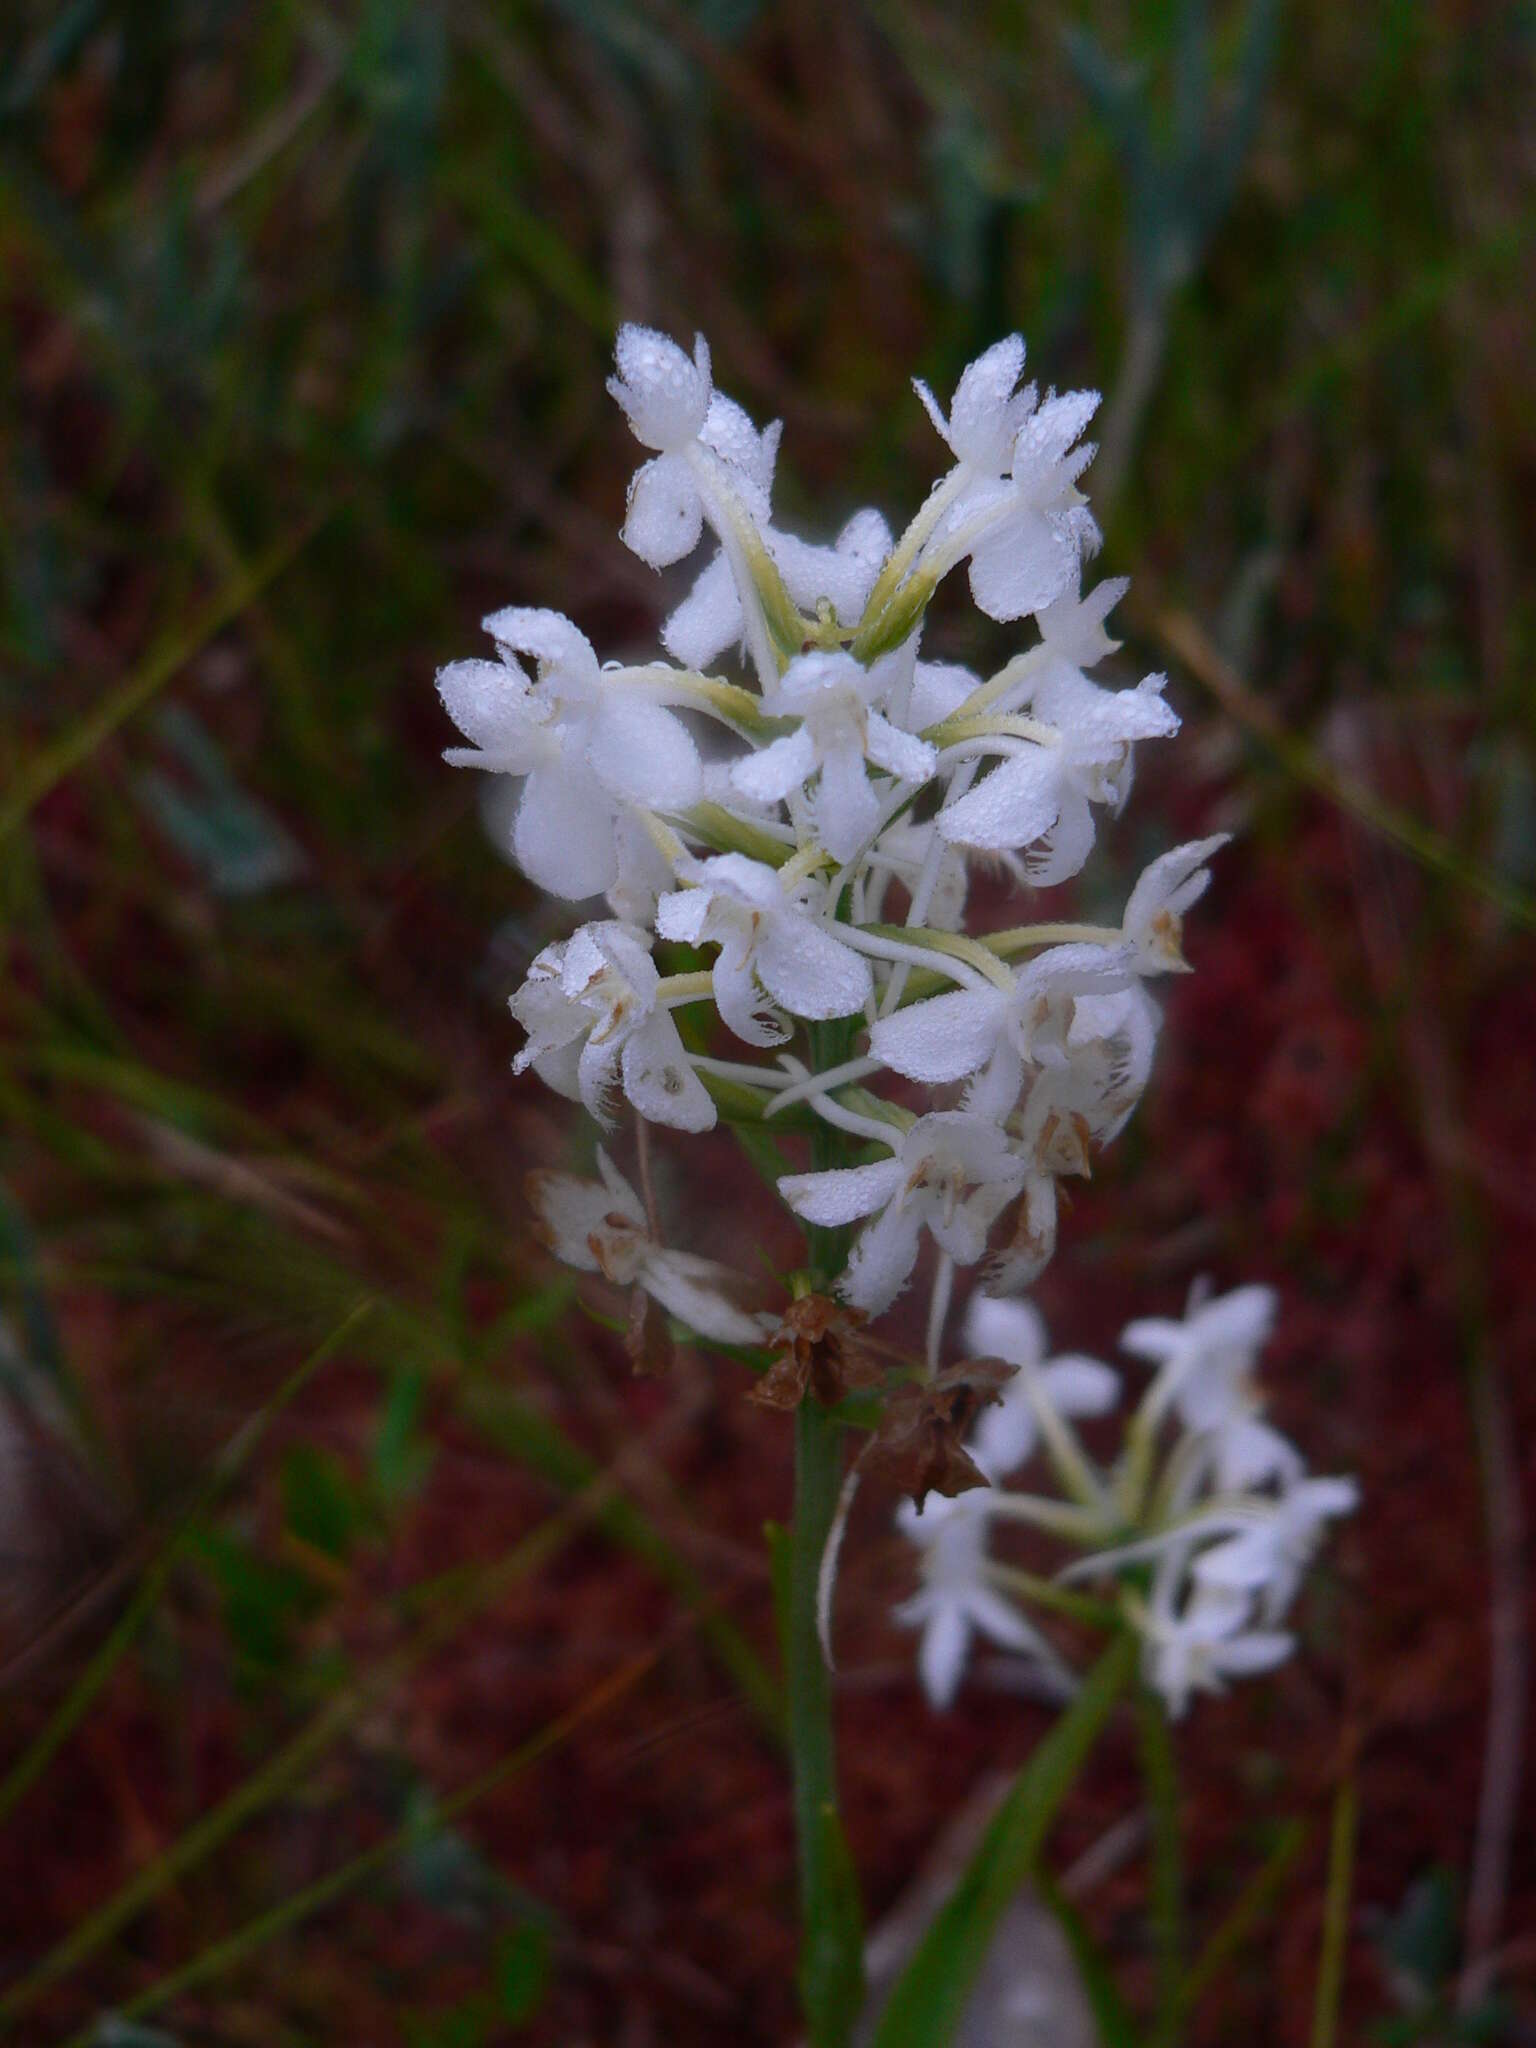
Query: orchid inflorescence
{"x": 1203, "y": 1542}
{"x": 808, "y": 831}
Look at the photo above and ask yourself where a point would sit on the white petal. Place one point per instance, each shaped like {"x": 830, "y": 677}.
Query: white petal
{"x": 1242, "y": 1319}
{"x": 1154, "y": 1338}
{"x": 1065, "y": 847}
{"x": 665, "y": 517}
{"x": 681, "y": 915}
{"x": 933, "y": 409}
{"x": 1241, "y": 1564}
{"x": 1011, "y": 807}
{"x": 665, "y": 396}
{"x": 659, "y": 1081}
{"x": 943, "y": 1039}
{"x": 1051, "y": 431}
{"x": 491, "y": 704}
{"x": 810, "y": 972}
{"x": 1013, "y": 1331}
{"x": 641, "y": 751}
{"x": 697, "y": 1292}
{"x": 847, "y": 809}
{"x": 866, "y": 539}
{"x": 1021, "y": 565}
{"x": 1259, "y": 1650}
{"x": 999, "y": 1620}
{"x": 708, "y": 620}
{"x": 783, "y": 765}
{"x": 1325, "y": 1497}
{"x": 1080, "y": 1386}
{"x": 738, "y": 1001}
{"x": 1005, "y": 1436}
{"x": 842, "y": 1194}
{"x": 900, "y": 753}
{"x": 963, "y": 1234}
{"x": 644, "y": 871}
{"x": 812, "y": 573}
{"x": 1073, "y": 626}
{"x": 941, "y": 1656}
{"x": 1250, "y": 1453}
{"x": 983, "y": 423}
{"x": 729, "y": 431}
{"x": 882, "y": 1260}
{"x": 596, "y": 1073}
{"x": 589, "y": 1226}
{"x": 1099, "y": 722}
{"x": 1171, "y": 884}
{"x": 1033, "y": 1243}
{"x": 938, "y": 690}
{"x": 559, "y": 1069}
{"x": 549, "y": 637}
{"x": 563, "y": 837}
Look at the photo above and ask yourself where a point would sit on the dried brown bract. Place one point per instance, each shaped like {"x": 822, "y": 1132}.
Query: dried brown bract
{"x": 820, "y": 1352}
{"x": 918, "y": 1446}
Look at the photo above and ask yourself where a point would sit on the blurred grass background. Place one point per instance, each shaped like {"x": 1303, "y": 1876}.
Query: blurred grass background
{"x": 306, "y": 317}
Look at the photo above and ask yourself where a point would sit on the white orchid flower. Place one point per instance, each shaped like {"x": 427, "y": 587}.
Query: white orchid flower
{"x": 599, "y": 1227}
{"x": 589, "y": 744}
{"x": 1040, "y": 796}
{"x": 712, "y": 464}
{"x": 997, "y": 1032}
{"x": 956, "y": 1599}
{"x": 592, "y": 1010}
{"x": 839, "y": 732}
{"x": 951, "y": 1173}
{"x": 1086, "y": 1101}
{"x": 1199, "y": 1646}
{"x": 1026, "y": 533}
{"x": 1010, "y": 503}
{"x": 1206, "y": 1361}
{"x": 710, "y": 618}
{"x": 1008, "y": 1429}
{"x": 1154, "y": 913}
{"x": 1268, "y": 1559}
{"x": 771, "y": 944}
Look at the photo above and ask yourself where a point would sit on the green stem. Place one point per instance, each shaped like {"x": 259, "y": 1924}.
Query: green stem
{"x": 1160, "y": 1774}
{"x": 831, "y": 1935}
{"x": 831, "y": 1924}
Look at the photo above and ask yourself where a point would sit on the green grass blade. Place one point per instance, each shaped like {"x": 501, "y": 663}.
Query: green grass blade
{"x": 1341, "y": 1881}
{"x": 1303, "y": 762}
{"x": 931, "y": 1993}
{"x": 53, "y": 763}
{"x": 290, "y": 1764}
{"x": 1253, "y": 1902}
{"x": 72, "y": 1709}
{"x": 541, "y": 1446}
{"x": 224, "y": 1955}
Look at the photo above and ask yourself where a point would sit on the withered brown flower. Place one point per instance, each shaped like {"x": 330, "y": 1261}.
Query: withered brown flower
{"x": 918, "y": 1446}
{"x": 818, "y": 1351}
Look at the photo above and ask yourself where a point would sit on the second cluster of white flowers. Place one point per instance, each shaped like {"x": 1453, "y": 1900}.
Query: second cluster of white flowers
{"x": 1202, "y": 1527}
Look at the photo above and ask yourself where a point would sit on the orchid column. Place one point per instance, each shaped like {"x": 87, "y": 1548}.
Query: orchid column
{"x": 783, "y": 814}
